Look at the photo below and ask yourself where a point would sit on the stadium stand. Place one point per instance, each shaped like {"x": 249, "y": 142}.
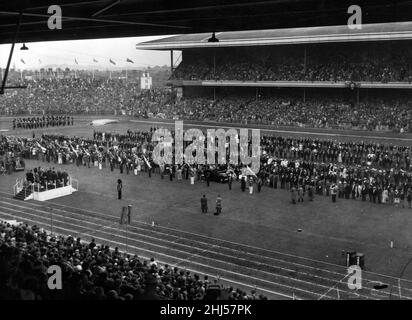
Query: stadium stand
{"x": 391, "y": 112}
{"x": 92, "y": 272}
{"x": 372, "y": 62}
{"x": 69, "y": 96}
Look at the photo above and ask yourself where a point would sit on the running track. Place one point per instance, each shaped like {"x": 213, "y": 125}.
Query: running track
{"x": 275, "y": 274}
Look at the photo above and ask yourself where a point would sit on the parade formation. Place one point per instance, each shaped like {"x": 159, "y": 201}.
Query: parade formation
{"x": 42, "y": 122}
{"x": 377, "y": 172}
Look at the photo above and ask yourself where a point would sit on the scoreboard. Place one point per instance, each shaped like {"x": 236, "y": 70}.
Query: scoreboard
{"x": 145, "y": 81}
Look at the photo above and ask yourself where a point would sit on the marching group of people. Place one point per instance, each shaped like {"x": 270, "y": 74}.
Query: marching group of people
{"x": 42, "y": 122}
{"x": 377, "y": 172}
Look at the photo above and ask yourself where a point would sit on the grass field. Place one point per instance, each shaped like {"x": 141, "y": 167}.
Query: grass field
{"x": 255, "y": 242}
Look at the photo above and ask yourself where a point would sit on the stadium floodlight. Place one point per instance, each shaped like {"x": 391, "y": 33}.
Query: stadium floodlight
{"x": 213, "y": 38}
{"x": 24, "y": 47}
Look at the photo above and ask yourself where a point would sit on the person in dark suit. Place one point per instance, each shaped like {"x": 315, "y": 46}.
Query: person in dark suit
{"x": 30, "y": 176}
{"x": 218, "y": 205}
{"x": 119, "y": 189}
{"x": 243, "y": 184}
{"x": 171, "y": 173}
{"x": 207, "y": 176}
{"x": 259, "y": 185}
{"x": 203, "y": 204}
{"x": 230, "y": 180}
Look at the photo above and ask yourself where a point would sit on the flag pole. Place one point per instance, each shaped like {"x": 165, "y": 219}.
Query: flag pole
{"x": 51, "y": 220}
{"x": 127, "y": 238}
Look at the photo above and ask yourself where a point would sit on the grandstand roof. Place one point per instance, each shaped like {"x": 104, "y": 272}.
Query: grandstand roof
{"x": 369, "y": 32}
{"x": 86, "y": 19}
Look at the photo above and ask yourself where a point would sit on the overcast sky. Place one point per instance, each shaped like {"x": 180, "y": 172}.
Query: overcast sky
{"x": 41, "y": 54}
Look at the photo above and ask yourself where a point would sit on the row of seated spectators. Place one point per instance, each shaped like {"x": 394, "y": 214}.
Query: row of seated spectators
{"x": 389, "y": 62}
{"x": 93, "y": 272}
{"x": 46, "y": 179}
{"x": 70, "y": 96}
{"x": 77, "y": 96}
{"x": 394, "y": 114}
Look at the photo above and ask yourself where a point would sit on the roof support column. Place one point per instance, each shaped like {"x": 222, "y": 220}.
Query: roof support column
{"x": 304, "y": 60}
{"x": 6, "y": 72}
{"x": 171, "y": 61}
{"x": 214, "y": 63}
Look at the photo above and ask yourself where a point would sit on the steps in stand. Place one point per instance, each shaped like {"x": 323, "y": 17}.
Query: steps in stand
{"x": 23, "y": 194}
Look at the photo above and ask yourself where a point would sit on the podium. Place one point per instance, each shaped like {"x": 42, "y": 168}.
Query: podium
{"x": 354, "y": 258}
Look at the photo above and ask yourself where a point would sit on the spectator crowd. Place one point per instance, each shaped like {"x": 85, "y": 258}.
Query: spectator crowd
{"x": 374, "y": 62}
{"x": 59, "y": 99}
{"x": 93, "y": 272}
{"x": 70, "y": 96}
{"x": 377, "y": 114}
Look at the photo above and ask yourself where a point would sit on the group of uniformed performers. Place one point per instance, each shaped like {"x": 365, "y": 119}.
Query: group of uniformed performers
{"x": 42, "y": 122}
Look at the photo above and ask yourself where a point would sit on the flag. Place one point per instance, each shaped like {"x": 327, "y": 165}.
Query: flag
{"x": 128, "y": 60}
{"x": 112, "y": 62}
{"x": 22, "y": 61}
{"x": 75, "y": 152}
{"x": 147, "y": 162}
{"x": 42, "y": 148}
{"x": 248, "y": 172}
{"x": 75, "y": 60}
{"x": 94, "y": 60}
{"x": 39, "y": 61}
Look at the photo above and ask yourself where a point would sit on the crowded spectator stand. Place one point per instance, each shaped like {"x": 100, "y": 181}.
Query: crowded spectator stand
{"x": 92, "y": 271}
{"x": 60, "y": 99}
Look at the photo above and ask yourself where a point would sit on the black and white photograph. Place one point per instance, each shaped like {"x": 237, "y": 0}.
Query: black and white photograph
{"x": 212, "y": 156}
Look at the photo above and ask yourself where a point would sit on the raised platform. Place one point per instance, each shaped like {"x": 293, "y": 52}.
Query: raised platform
{"x": 30, "y": 192}
{"x": 52, "y": 194}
